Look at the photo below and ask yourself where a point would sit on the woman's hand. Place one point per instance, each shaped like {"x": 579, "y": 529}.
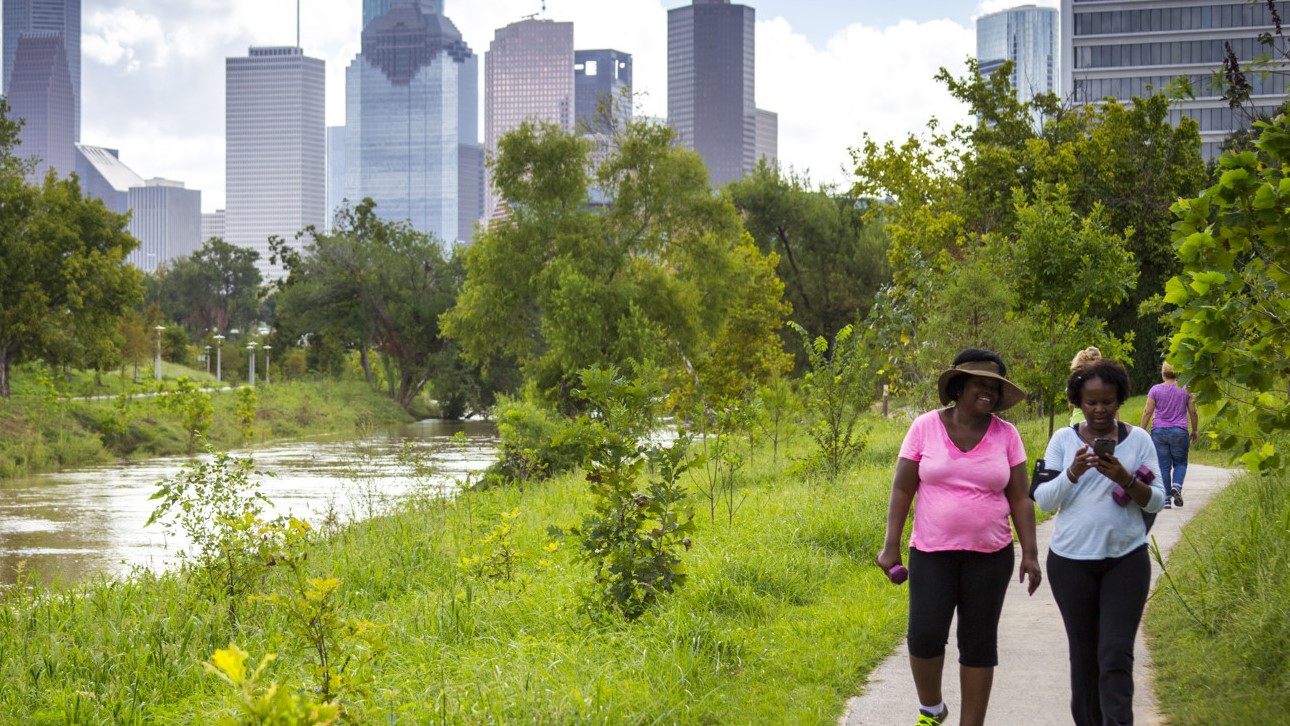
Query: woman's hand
{"x": 1030, "y": 568}
{"x": 888, "y": 559}
{"x": 1111, "y": 468}
{"x": 1084, "y": 460}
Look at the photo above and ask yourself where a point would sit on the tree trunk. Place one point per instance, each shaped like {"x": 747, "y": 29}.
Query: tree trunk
{"x": 367, "y": 364}
{"x": 6, "y": 356}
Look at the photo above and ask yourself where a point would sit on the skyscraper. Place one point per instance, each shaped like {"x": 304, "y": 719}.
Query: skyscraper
{"x": 528, "y": 76}
{"x": 767, "y": 136}
{"x": 40, "y": 93}
{"x": 275, "y": 148}
{"x": 711, "y": 84}
{"x": 1138, "y": 47}
{"x": 336, "y": 157}
{"x": 104, "y": 176}
{"x": 601, "y": 77}
{"x": 45, "y": 18}
{"x": 166, "y": 218}
{"x": 1027, "y": 36}
{"x": 373, "y": 9}
{"x": 404, "y": 112}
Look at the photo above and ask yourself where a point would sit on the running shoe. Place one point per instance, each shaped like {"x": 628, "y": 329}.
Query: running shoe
{"x": 1177, "y": 496}
{"x": 929, "y": 719}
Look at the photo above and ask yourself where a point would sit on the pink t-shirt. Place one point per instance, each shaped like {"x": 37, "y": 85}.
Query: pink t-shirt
{"x": 961, "y": 504}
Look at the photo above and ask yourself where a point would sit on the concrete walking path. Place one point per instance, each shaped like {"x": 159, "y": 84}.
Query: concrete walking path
{"x": 1031, "y": 684}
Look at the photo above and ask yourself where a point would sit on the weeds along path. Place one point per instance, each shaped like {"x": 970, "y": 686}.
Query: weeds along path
{"x": 1031, "y": 684}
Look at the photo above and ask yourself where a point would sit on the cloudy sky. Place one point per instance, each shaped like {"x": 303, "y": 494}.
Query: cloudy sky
{"x": 153, "y": 70}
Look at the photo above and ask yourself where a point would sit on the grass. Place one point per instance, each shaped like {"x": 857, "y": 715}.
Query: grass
{"x": 44, "y": 430}
{"x": 782, "y": 617}
{"x": 1218, "y": 625}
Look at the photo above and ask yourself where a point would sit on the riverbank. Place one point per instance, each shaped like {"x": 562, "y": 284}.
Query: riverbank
{"x": 47, "y": 432}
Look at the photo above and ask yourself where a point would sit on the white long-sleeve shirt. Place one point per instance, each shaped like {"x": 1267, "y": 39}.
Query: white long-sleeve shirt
{"x": 1089, "y": 524}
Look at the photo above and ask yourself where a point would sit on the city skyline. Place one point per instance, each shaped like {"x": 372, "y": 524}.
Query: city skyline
{"x": 153, "y": 71}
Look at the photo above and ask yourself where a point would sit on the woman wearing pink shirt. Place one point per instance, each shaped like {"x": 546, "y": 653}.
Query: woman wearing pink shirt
{"x": 967, "y": 468}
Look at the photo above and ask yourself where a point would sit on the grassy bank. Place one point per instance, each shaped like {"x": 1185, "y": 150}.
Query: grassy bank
{"x": 781, "y": 618}
{"x": 44, "y": 429}
{"x": 1218, "y": 622}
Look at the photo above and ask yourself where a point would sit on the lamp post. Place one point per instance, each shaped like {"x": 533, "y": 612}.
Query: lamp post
{"x": 251, "y": 347}
{"x": 219, "y": 357}
{"x": 267, "y": 348}
{"x": 157, "y": 366}
{"x": 208, "y": 360}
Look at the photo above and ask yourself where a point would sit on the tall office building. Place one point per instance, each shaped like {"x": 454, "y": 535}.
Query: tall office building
{"x": 1028, "y": 36}
{"x": 601, "y": 79}
{"x": 404, "y": 109}
{"x": 40, "y": 93}
{"x": 335, "y": 172}
{"x": 61, "y": 18}
{"x": 213, "y": 225}
{"x": 275, "y": 155}
{"x": 711, "y": 84}
{"x": 373, "y": 9}
{"x": 166, "y": 218}
{"x": 104, "y": 176}
{"x": 768, "y": 136}
{"x": 528, "y": 76}
{"x": 1138, "y": 47}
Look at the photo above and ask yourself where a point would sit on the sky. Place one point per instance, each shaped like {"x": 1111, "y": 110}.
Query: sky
{"x": 153, "y": 70}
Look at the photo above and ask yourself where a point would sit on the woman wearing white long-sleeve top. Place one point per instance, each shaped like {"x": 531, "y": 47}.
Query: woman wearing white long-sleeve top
{"x": 1098, "y": 565}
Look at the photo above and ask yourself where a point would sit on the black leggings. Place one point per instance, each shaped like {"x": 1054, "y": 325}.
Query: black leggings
{"x": 1101, "y": 603}
{"x": 972, "y": 582}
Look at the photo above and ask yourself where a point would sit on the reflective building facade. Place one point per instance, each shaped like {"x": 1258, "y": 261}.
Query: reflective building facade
{"x": 408, "y": 95}
{"x": 275, "y": 155}
{"x": 711, "y": 58}
{"x": 104, "y": 176}
{"x": 373, "y": 9}
{"x": 1029, "y": 37}
{"x": 40, "y": 93}
{"x": 601, "y": 78}
{"x": 166, "y": 218}
{"x": 1137, "y": 47}
{"x": 61, "y": 18}
{"x": 528, "y": 75}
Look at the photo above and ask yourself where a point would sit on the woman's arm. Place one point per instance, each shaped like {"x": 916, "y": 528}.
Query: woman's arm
{"x": 1023, "y": 518}
{"x": 1195, "y": 419}
{"x": 1147, "y": 411}
{"x": 903, "y": 487}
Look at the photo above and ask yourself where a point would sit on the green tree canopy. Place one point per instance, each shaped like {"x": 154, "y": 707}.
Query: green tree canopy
{"x": 612, "y": 264}
{"x": 213, "y": 290}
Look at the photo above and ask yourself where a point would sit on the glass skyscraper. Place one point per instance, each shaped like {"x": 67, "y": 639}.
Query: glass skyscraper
{"x": 46, "y": 18}
{"x": 1138, "y": 47}
{"x": 40, "y": 93}
{"x": 601, "y": 78}
{"x": 711, "y": 64}
{"x": 528, "y": 76}
{"x": 373, "y": 9}
{"x": 166, "y": 218}
{"x": 1029, "y": 37}
{"x": 275, "y": 153}
{"x": 408, "y": 95}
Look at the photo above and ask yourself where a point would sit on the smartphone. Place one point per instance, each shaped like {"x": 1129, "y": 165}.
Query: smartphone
{"x": 1103, "y": 447}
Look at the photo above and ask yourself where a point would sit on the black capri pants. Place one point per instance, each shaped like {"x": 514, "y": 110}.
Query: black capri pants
{"x": 974, "y": 583}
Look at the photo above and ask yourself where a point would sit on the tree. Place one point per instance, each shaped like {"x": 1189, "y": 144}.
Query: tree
{"x": 64, "y": 283}
{"x": 831, "y": 259}
{"x": 1231, "y": 300}
{"x": 383, "y": 283}
{"x": 214, "y": 289}
{"x": 629, "y": 262}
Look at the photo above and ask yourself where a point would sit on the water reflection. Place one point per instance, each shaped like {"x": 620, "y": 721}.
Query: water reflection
{"x": 71, "y": 525}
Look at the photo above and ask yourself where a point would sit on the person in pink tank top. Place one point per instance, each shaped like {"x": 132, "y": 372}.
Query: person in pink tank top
{"x": 967, "y": 469}
{"x": 1167, "y": 414}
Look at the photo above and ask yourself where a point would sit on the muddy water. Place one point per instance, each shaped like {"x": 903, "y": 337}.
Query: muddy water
{"x": 73, "y": 525}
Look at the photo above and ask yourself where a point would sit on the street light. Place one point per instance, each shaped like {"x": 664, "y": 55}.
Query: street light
{"x": 157, "y": 367}
{"x": 208, "y": 360}
{"x": 267, "y": 348}
{"x": 219, "y": 357}
{"x": 251, "y": 347}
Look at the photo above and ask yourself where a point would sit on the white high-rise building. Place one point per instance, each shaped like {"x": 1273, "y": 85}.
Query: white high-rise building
{"x": 166, "y": 218}
{"x": 275, "y": 156}
{"x": 528, "y": 76}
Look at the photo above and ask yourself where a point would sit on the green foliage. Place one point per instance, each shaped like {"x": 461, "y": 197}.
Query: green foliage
{"x": 651, "y": 268}
{"x": 215, "y": 289}
{"x": 499, "y": 560}
{"x": 838, "y": 390}
{"x": 1231, "y": 300}
{"x": 216, "y": 505}
{"x": 248, "y": 404}
{"x": 260, "y": 704}
{"x": 535, "y": 441}
{"x": 721, "y": 456}
{"x": 633, "y": 536}
{"x": 193, "y": 406}
{"x": 779, "y": 405}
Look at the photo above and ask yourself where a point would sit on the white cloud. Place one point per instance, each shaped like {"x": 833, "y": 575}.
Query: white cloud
{"x": 153, "y": 76}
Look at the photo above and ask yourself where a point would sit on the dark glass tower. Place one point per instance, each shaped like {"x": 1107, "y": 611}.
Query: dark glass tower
{"x": 373, "y": 9}
{"x": 601, "y": 77}
{"x": 710, "y": 84}
{"x": 45, "y": 18}
{"x": 40, "y": 93}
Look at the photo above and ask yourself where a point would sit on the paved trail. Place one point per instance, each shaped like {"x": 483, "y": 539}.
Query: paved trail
{"x": 1031, "y": 686}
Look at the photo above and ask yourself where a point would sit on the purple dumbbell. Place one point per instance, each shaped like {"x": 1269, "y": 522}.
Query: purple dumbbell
{"x": 897, "y": 574}
{"x": 1121, "y": 497}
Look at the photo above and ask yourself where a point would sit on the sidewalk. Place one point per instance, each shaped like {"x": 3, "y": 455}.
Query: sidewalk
{"x": 1031, "y": 684}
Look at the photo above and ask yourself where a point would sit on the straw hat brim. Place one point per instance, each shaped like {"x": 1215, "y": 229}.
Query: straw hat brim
{"x": 1012, "y": 395}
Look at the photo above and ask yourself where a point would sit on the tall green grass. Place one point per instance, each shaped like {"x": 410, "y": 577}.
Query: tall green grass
{"x": 1219, "y": 622}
